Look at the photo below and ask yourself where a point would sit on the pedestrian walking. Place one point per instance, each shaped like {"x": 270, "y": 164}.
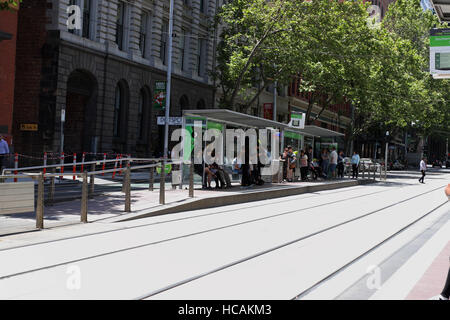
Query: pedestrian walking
{"x": 423, "y": 168}
{"x": 340, "y": 165}
{"x": 355, "y": 164}
{"x": 303, "y": 165}
{"x": 333, "y": 162}
{"x": 4, "y": 153}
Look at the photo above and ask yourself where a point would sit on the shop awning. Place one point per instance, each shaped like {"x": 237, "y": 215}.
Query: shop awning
{"x": 248, "y": 121}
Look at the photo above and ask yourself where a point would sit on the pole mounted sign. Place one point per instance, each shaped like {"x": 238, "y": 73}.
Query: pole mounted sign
{"x": 297, "y": 120}
{"x": 440, "y": 53}
{"x": 159, "y": 100}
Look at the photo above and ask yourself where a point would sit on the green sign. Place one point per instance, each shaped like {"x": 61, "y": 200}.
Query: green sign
{"x": 168, "y": 168}
{"x": 440, "y": 41}
{"x": 214, "y": 125}
{"x": 189, "y": 126}
{"x": 292, "y": 135}
{"x": 159, "y": 97}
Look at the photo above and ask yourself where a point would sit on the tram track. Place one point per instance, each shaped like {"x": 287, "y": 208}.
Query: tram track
{"x": 294, "y": 241}
{"x": 291, "y": 199}
{"x": 227, "y": 226}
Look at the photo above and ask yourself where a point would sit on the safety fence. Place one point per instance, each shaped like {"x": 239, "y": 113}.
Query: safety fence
{"x": 12, "y": 202}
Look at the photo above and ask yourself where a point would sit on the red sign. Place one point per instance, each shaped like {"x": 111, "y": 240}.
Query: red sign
{"x": 268, "y": 111}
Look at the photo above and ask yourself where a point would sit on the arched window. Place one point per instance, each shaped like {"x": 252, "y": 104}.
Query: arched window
{"x": 143, "y": 113}
{"x": 184, "y": 102}
{"x": 201, "y": 104}
{"x": 118, "y": 105}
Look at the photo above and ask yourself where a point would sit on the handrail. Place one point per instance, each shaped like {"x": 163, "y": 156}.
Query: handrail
{"x": 131, "y": 159}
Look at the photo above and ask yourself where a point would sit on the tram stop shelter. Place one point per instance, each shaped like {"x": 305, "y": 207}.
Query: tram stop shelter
{"x": 223, "y": 119}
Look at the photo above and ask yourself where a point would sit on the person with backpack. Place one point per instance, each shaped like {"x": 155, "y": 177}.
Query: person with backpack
{"x": 292, "y": 161}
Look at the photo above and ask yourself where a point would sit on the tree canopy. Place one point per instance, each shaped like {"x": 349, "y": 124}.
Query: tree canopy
{"x": 339, "y": 54}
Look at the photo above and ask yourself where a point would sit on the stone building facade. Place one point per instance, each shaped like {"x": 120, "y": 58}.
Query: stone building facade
{"x": 103, "y": 72}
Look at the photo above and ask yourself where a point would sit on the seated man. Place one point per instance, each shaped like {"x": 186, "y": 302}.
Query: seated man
{"x": 210, "y": 173}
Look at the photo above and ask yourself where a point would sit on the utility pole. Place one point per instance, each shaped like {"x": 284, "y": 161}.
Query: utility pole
{"x": 386, "y": 154}
{"x": 275, "y": 85}
{"x": 352, "y": 108}
{"x": 169, "y": 78}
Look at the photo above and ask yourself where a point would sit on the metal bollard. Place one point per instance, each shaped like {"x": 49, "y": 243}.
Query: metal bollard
{"x": 127, "y": 178}
{"x": 363, "y": 170}
{"x": 40, "y": 203}
{"x": 123, "y": 183}
{"x": 92, "y": 182}
{"x": 151, "y": 179}
{"x": 162, "y": 184}
{"x": 191, "y": 179}
{"x": 52, "y": 189}
{"x": 84, "y": 197}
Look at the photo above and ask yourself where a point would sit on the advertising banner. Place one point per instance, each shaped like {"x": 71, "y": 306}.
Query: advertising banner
{"x": 159, "y": 96}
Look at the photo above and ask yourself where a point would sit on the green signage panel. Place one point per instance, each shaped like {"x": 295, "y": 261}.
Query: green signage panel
{"x": 440, "y": 41}
{"x": 159, "y": 98}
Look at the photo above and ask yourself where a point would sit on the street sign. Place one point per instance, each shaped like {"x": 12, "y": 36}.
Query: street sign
{"x": 440, "y": 53}
{"x": 173, "y": 121}
{"x": 28, "y": 127}
{"x": 297, "y": 120}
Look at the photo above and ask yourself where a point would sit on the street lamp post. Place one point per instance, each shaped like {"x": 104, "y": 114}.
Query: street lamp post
{"x": 386, "y": 155}
{"x": 169, "y": 78}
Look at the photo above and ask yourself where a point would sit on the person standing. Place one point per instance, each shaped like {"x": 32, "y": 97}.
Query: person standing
{"x": 325, "y": 161}
{"x": 291, "y": 160}
{"x": 355, "y": 164}
{"x": 284, "y": 157}
{"x": 303, "y": 165}
{"x": 4, "y": 152}
{"x": 340, "y": 165}
{"x": 333, "y": 162}
{"x": 309, "y": 154}
{"x": 423, "y": 168}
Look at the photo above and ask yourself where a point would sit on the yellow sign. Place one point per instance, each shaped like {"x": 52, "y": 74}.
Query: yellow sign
{"x": 28, "y": 127}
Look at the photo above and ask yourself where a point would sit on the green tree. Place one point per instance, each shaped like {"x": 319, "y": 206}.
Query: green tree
{"x": 9, "y": 4}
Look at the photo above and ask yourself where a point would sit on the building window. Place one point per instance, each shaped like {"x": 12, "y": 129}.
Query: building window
{"x": 200, "y": 49}
{"x": 164, "y": 38}
{"x": 86, "y": 18}
{"x": 143, "y": 32}
{"x": 143, "y": 101}
{"x": 120, "y": 20}
{"x": 118, "y": 110}
{"x": 202, "y": 6}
